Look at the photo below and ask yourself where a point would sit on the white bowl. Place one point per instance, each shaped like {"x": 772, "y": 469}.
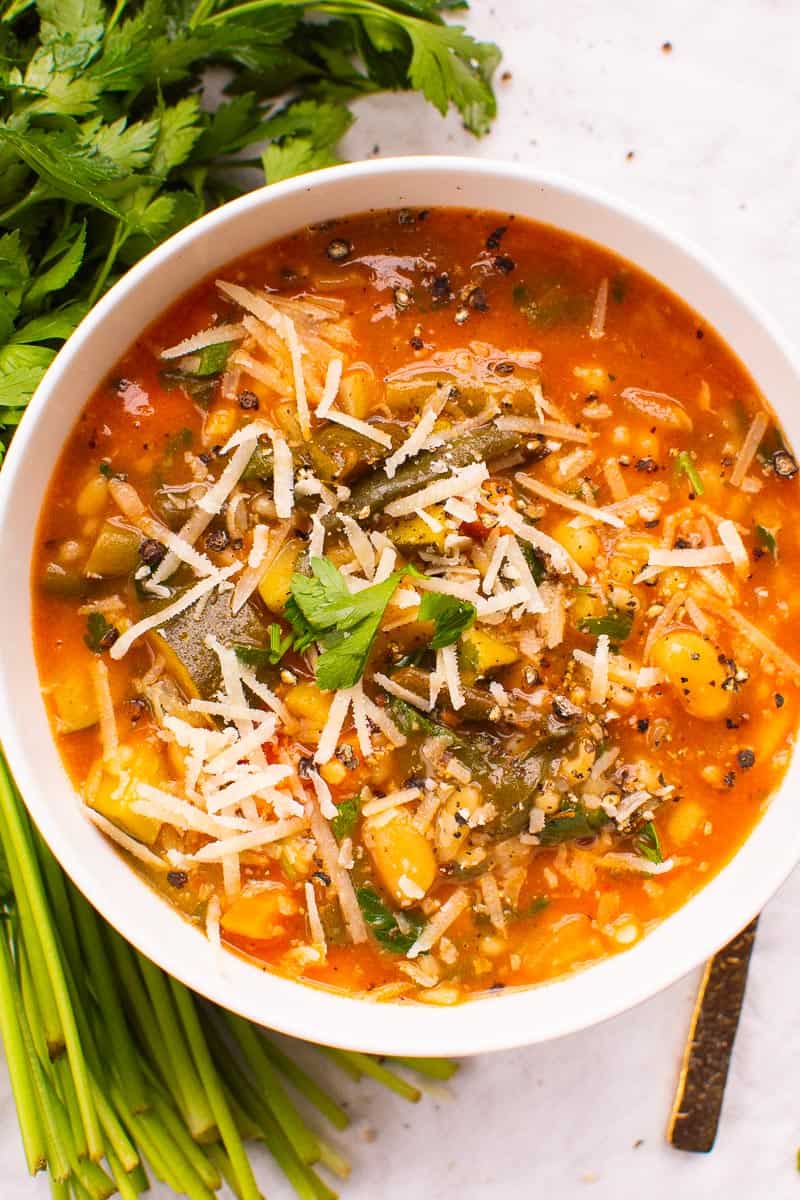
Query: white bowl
{"x": 503, "y": 1020}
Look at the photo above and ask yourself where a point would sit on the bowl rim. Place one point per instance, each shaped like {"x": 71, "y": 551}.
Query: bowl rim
{"x": 560, "y": 1006}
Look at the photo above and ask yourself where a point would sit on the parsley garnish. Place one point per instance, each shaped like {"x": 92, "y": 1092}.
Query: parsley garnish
{"x": 347, "y": 812}
{"x": 648, "y": 844}
{"x": 384, "y": 925}
{"x": 616, "y": 624}
{"x": 265, "y": 656}
{"x": 106, "y": 149}
{"x": 685, "y": 466}
{"x": 769, "y": 539}
{"x": 451, "y": 617}
{"x": 573, "y": 821}
{"x": 321, "y": 609}
{"x": 99, "y": 634}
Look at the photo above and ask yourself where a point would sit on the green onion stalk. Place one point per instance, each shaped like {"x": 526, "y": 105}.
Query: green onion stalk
{"x": 120, "y": 1074}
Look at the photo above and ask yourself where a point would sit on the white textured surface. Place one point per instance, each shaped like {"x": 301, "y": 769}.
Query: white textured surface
{"x": 716, "y": 150}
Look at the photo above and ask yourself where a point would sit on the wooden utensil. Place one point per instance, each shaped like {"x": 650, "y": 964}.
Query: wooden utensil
{"x": 706, "y": 1061}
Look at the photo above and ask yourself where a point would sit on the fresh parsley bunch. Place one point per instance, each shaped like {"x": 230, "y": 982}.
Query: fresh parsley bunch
{"x": 106, "y": 148}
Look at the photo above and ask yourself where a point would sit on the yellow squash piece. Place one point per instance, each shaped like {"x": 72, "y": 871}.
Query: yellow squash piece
{"x": 112, "y": 788}
{"x": 257, "y": 916}
{"x": 75, "y": 701}
{"x": 115, "y": 552}
{"x": 412, "y": 533}
{"x": 482, "y": 653}
{"x": 276, "y": 580}
{"x": 403, "y": 857}
{"x": 309, "y": 704}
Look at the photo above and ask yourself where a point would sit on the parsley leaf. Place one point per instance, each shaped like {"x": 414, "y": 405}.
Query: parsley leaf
{"x": 99, "y": 633}
{"x": 768, "y": 538}
{"x": 616, "y": 624}
{"x": 265, "y": 656}
{"x": 384, "y": 924}
{"x": 347, "y": 812}
{"x": 451, "y": 617}
{"x": 100, "y": 117}
{"x": 322, "y": 609}
{"x": 648, "y": 844}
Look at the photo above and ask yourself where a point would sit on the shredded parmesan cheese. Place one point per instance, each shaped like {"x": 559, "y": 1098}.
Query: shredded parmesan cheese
{"x": 702, "y": 556}
{"x": 462, "y": 481}
{"x": 283, "y": 474}
{"x": 450, "y": 911}
{"x": 329, "y": 738}
{"x": 391, "y": 800}
{"x": 747, "y": 450}
{"x": 219, "y": 491}
{"x": 105, "y": 707}
{"x": 314, "y": 922}
{"x": 333, "y": 378}
{"x": 123, "y": 644}
{"x": 363, "y": 427}
{"x": 447, "y": 664}
{"x": 598, "y": 689}
{"x": 419, "y": 436}
{"x": 597, "y": 325}
{"x": 339, "y": 877}
{"x": 401, "y": 693}
{"x": 566, "y": 501}
{"x": 731, "y": 539}
{"x": 552, "y": 429}
{"x": 216, "y": 336}
{"x": 123, "y": 839}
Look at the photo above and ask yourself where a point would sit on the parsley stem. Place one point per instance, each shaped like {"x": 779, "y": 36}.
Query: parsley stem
{"x": 19, "y": 852}
{"x": 109, "y": 1001}
{"x": 116, "y": 245}
{"x": 22, "y": 1086}
{"x": 300, "y": 1176}
{"x": 368, "y": 1065}
{"x": 214, "y": 1091}
{"x": 431, "y": 1068}
{"x": 38, "y": 192}
{"x": 303, "y": 1141}
{"x": 115, "y": 16}
{"x": 125, "y": 1185}
{"x": 306, "y": 1085}
{"x": 195, "y": 1103}
{"x": 219, "y": 1158}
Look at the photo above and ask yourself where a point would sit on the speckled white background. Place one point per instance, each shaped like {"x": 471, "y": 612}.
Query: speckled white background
{"x": 715, "y": 137}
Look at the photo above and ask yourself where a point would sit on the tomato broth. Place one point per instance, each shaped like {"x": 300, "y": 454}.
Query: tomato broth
{"x": 414, "y": 604}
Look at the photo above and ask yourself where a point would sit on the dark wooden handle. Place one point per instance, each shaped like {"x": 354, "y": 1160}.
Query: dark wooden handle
{"x": 707, "y": 1058}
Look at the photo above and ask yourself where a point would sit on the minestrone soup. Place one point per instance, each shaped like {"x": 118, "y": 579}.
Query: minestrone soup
{"x": 415, "y": 604}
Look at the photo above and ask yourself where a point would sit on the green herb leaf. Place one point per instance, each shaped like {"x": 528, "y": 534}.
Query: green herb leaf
{"x": 384, "y": 925}
{"x": 99, "y": 633}
{"x": 347, "y": 812}
{"x": 53, "y": 326}
{"x": 321, "y": 609}
{"x": 685, "y": 466}
{"x": 534, "y": 559}
{"x": 213, "y": 359}
{"x": 58, "y": 276}
{"x": 451, "y": 617}
{"x": 616, "y": 624}
{"x": 648, "y": 844}
{"x": 265, "y": 656}
{"x": 768, "y": 538}
{"x": 574, "y": 821}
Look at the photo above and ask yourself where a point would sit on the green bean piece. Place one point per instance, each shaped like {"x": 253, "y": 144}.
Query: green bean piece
{"x": 371, "y": 495}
